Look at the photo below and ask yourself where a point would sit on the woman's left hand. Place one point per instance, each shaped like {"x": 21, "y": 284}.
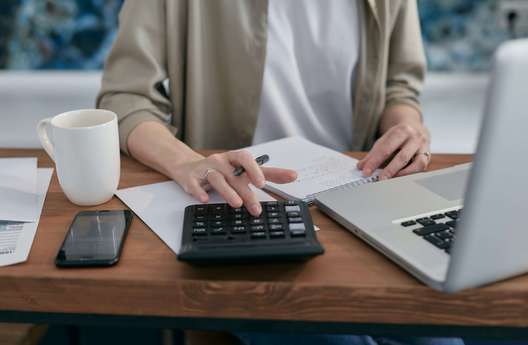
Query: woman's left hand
{"x": 409, "y": 146}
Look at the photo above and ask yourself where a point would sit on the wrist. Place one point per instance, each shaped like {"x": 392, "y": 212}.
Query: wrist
{"x": 400, "y": 115}
{"x": 175, "y": 167}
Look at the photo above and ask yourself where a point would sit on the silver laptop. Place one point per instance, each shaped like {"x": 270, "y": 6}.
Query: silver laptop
{"x": 463, "y": 226}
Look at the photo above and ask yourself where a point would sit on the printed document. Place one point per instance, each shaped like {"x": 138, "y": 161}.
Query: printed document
{"x": 18, "y": 194}
{"x": 16, "y": 238}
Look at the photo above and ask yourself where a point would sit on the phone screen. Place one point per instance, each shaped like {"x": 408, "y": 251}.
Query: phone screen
{"x": 95, "y": 236}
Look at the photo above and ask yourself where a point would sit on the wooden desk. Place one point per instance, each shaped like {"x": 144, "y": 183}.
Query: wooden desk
{"x": 351, "y": 288}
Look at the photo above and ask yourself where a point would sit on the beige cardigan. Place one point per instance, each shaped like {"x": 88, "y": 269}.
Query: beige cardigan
{"x": 213, "y": 53}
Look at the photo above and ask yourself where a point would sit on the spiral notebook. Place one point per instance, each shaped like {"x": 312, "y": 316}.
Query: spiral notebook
{"x": 319, "y": 168}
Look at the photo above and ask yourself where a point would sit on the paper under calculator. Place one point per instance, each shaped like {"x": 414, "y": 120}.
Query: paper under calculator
{"x": 218, "y": 233}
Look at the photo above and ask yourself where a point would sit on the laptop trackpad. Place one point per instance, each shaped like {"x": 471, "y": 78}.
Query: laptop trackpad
{"x": 450, "y": 186}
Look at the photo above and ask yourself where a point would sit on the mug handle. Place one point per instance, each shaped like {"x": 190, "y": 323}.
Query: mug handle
{"x": 42, "y": 131}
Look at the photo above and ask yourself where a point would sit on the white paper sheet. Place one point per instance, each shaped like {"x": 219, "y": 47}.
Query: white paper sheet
{"x": 162, "y": 206}
{"x": 318, "y": 168}
{"x": 18, "y": 194}
{"x": 16, "y": 238}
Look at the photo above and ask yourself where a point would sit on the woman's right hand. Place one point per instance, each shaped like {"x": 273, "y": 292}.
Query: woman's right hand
{"x": 200, "y": 175}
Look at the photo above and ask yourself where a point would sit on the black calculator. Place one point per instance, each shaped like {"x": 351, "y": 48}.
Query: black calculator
{"x": 219, "y": 233}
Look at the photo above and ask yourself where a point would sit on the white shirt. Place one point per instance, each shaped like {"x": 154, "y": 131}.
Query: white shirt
{"x": 312, "y": 52}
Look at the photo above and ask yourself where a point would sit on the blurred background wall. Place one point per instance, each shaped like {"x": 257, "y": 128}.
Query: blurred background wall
{"x": 57, "y": 48}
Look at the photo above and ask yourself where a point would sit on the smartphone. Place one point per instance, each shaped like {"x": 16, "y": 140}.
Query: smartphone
{"x": 95, "y": 238}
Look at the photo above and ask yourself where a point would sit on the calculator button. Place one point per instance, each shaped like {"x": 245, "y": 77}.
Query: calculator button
{"x": 238, "y": 230}
{"x": 257, "y": 228}
{"x": 239, "y": 210}
{"x": 218, "y": 231}
{"x": 217, "y": 223}
{"x": 294, "y": 208}
{"x": 297, "y": 226}
{"x": 239, "y": 216}
{"x": 217, "y": 217}
{"x": 273, "y": 214}
{"x": 199, "y": 232}
{"x": 274, "y": 227}
{"x": 408, "y": 223}
{"x": 256, "y": 221}
{"x": 293, "y": 214}
{"x": 274, "y": 221}
{"x": 199, "y": 217}
{"x": 277, "y": 234}
{"x": 272, "y": 208}
{"x": 290, "y": 202}
{"x": 295, "y": 220}
{"x": 258, "y": 235}
{"x": 238, "y": 222}
{"x": 198, "y": 224}
{"x": 200, "y": 239}
{"x": 217, "y": 208}
{"x": 297, "y": 233}
{"x": 201, "y": 208}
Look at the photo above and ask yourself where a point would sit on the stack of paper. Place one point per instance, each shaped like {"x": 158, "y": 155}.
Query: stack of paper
{"x": 23, "y": 189}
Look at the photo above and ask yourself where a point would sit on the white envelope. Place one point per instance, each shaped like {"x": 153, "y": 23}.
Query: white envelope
{"x": 18, "y": 189}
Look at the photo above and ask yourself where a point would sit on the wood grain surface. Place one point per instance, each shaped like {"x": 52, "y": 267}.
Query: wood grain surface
{"x": 349, "y": 283}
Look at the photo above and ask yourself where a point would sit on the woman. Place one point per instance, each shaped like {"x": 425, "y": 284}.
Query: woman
{"x": 343, "y": 73}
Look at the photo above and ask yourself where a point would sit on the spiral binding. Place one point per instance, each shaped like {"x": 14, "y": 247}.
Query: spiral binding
{"x": 311, "y": 197}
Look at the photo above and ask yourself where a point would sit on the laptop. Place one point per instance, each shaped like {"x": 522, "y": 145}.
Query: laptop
{"x": 463, "y": 226}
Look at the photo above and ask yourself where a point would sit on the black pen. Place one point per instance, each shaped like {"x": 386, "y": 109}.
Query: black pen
{"x": 259, "y": 160}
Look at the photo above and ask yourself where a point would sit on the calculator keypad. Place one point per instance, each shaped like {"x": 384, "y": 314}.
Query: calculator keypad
{"x": 215, "y": 233}
{"x": 277, "y": 221}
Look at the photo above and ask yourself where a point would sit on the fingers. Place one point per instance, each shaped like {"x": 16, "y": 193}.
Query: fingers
{"x": 235, "y": 189}
{"x": 194, "y": 188}
{"x": 218, "y": 182}
{"x": 278, "y": 175}
{"x": 401, "y": 160}
{"x": 381, "y": 151}
{"x": 406, "y": 140}
{"x": 419, "y": 164}
{"x": 248, "y": 196}
{"x": 245, "y": 159}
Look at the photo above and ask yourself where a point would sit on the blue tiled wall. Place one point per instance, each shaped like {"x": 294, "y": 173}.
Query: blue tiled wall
{"x": 76, "y": 34}
{"x": 56, "y": 34}
{"x": 462, "y": 34}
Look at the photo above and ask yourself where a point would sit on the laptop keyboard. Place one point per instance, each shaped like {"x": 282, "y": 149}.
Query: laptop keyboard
{"x": 438, "y": 229}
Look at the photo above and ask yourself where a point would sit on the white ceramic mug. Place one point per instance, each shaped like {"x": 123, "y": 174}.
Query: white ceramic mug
{"x": 85, "y": 147}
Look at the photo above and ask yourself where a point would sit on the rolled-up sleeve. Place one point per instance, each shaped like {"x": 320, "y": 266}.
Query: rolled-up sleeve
{"x": 407, "y": 63}
{"x": 134, "y": 72}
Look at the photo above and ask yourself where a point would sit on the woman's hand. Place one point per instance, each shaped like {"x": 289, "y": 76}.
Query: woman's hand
{"x": 197, "y": 176}
{"x": 406, "y": 140}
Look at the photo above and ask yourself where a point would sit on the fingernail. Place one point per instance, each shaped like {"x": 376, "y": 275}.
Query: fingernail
{"x": 255, "y": 209}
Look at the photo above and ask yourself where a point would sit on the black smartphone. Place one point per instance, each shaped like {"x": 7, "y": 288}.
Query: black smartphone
{"x": 95, "y": 238}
